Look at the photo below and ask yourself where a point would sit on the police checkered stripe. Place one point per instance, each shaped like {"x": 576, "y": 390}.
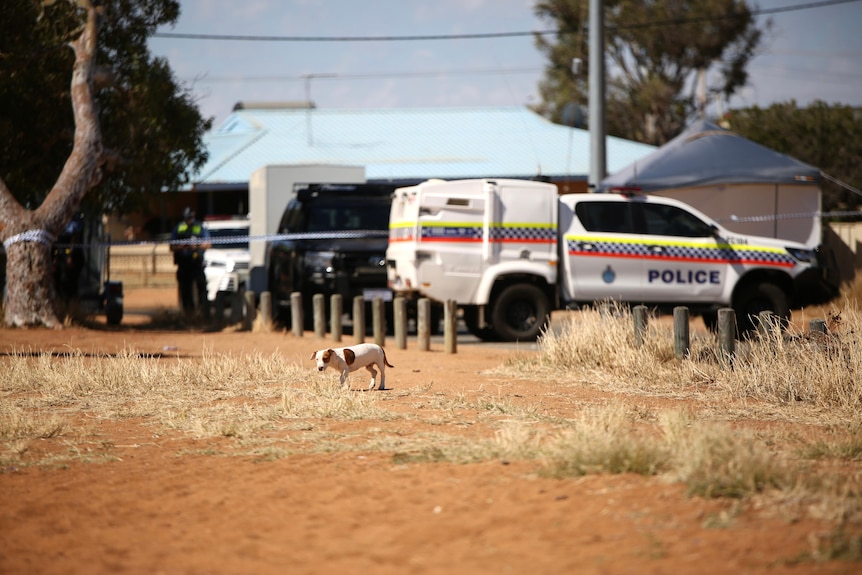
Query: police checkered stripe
{"x": 686, "y": 252}
{"x": 524, "y": 233}
{"x": 610, "y": 248}
{"x": 763, "y": 256}
{"x": 698, "y": 253}
{"x": 507, "y": 233}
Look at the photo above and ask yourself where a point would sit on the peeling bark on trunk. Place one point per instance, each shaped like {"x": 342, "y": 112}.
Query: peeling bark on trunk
{"x": 30, "y": 289}
{"x": 28, "y": 235}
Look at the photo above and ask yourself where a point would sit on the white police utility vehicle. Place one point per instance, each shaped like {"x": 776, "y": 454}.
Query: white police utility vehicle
{"x": 508, "y": 252}
{"x": 226, "y": 263}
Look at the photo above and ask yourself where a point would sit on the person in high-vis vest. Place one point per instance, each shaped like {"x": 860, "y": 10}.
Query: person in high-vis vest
{"x": 188, "y": 242}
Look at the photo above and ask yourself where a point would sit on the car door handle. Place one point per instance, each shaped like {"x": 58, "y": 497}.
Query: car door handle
{"x": 657, "y": 249}
{"x": 586, "y": 247}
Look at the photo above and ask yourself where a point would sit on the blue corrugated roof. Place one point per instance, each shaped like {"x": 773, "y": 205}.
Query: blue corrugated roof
{"x": 407, "y": 144}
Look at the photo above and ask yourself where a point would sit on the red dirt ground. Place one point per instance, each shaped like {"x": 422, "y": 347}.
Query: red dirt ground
{"x": 163, "y": 506}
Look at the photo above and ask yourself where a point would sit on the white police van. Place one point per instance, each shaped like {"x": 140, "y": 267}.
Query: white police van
{"x": 510, "y": 251}
{"x": 226, "y": 263}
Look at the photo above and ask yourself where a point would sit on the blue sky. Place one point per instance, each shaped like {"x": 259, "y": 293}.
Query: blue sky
{"x": 809, "y": 54}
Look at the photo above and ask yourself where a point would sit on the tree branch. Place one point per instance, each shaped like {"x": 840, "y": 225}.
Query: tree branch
{"x": 82, "y": 169}
{"x": 10, "y": 209}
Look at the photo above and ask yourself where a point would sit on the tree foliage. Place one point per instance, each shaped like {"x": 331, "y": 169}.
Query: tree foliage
{"x": 826, "y": 136}
{"x": 86, "y": 109}
{"x": 152, "y": 129}
{"x": 655, "y": 50}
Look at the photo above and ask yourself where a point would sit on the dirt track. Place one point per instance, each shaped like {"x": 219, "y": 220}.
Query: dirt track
{"x": 168, "y": 503}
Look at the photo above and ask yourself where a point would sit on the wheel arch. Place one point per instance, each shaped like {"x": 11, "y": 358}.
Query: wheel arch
{"x": 498, "y": 277}
{"x": 778, "y": 278}
{"x": 504, "y": 281}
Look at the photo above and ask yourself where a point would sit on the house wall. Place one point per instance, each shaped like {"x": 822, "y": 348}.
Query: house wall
{"x": 844, "y": 240}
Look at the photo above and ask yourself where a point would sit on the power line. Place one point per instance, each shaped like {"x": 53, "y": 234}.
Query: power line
{"x": 482, "y": 36}
{"x": 371, "y": 76}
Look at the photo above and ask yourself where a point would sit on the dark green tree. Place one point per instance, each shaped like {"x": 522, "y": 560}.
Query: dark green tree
{"x": 655, "y": 52}
{"x": 826, "y": 136}
{"x": 87, "y": 111}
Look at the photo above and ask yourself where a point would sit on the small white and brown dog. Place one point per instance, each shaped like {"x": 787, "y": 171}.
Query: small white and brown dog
{"x": 348, "y": 359}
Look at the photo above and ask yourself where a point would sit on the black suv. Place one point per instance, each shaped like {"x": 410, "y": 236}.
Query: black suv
{"x": 338, "y": 234}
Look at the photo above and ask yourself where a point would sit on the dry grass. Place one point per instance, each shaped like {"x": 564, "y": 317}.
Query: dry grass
{"x": 269, "y": 407}
{"x": 800, "y": 369}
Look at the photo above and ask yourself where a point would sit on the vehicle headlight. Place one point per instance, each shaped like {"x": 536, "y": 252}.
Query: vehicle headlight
{"x": 806, "y": 256}
{"x": 319, "y": 261}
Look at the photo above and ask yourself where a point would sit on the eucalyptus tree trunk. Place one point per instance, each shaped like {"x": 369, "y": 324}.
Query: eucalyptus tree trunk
{"x": 28, "y": 234}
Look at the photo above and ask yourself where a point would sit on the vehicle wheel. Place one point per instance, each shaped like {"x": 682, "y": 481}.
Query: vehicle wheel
{"x": 436, "y": 318}
{"x": 281, "y": 316}
{"x": 114, "y": 314}
{"x": 471, "y": 320}
{"x": 757, "y": 298}
{"x": 520, "y": 312}
{"x": 710, "y": 320}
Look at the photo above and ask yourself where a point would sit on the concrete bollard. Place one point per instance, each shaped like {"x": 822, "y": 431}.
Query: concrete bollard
{"x": 265, "y": 310}
{"x": 358, "y": 319}
{"x": 450, "y": 329}
{"x": 818, "y": 325}
{"x": 766, "y": 325}
{"x": 423, "y": 324}
{"x": 318, "y": 306}
{"x": 250, "y": 311}
{"x": 639, "y": 313}
{"x": 726, "y": 336}
{"x": 681, "y": 336}
{"x": 296, "y": 319}
{"x": 378, "y": 317}
{"x": 399, "y": 307}
{"x": 336, "y": 309}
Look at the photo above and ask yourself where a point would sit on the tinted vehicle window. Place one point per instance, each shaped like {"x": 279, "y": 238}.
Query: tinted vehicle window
{"x": 662, "y": 220}
{"x": 291, "y": 220}
{"x": 366, "y": 216}
{"x": 613, "y": 217}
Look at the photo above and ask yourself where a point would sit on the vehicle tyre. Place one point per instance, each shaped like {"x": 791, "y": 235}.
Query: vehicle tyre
{"x": 710, "y": 320}
{"x": 437, "y": 312}
{"x": 471, "y": 320}
{"x": 757, "y": 298}
{"x": 114, "y": 314}
{"x": 281, "y": 316}
{"x": 520, "y": 313}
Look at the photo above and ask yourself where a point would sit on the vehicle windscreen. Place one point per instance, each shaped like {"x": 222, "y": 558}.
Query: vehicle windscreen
{"x": 371, "y": 215}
